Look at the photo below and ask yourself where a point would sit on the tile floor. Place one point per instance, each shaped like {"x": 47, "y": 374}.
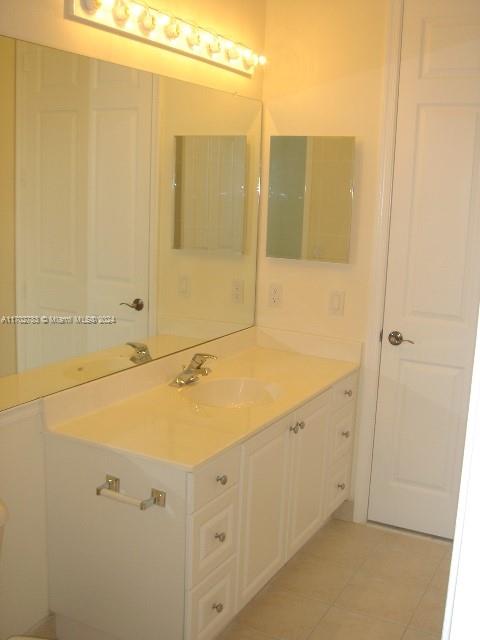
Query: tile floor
{"x": 353, "y": 582}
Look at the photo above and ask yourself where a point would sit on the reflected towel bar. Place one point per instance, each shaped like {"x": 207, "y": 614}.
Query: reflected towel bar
{"x": 111, "y": 489}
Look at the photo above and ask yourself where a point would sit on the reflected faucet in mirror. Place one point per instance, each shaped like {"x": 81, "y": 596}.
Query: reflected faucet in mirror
{"x": 141, "y": 355}
{"x": 195, "y": 369}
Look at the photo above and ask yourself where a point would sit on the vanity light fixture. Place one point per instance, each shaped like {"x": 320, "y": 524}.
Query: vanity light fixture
{"x": 136, "y": 19}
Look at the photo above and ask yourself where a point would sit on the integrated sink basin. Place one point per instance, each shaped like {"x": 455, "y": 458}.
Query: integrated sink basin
{"x": 232, "y": 392}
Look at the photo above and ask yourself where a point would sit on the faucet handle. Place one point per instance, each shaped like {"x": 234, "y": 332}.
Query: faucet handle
{"x": 199, "y": 359}
{"x": 139, "y": 346}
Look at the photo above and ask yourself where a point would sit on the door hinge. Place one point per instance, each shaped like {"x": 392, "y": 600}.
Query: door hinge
{"x": 381, "y": 335}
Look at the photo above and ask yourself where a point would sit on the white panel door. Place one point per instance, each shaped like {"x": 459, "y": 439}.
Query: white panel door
{"x": 120, "y": 141}
{"x": 83, "y": 200}
{"x": 434, "y": 270}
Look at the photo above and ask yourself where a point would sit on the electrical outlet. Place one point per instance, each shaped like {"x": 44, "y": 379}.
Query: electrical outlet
{"x": 184, "y": 286}
{"x": 336, "y": 304}
{"x": 275, "y": 295}
{"x": 238, "y": 291}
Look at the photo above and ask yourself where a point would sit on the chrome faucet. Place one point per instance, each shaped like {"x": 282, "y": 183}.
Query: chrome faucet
{"x": 195, "y": 369}
{"x": 142, "y": 354}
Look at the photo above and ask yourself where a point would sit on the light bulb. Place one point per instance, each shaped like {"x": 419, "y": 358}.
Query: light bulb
{"x": 207, "y": 37}
{"x": 231, "y": 51}
{"x": 262, "y": 60}
{"x": 163, "y": 19}
{"x": 147, "y": 21}
{"x": 136, "y": 10}
{"x": 214, "y": 46}
{"x": 248, "y": 59}
{"x": 91, "y": 6}
{"x": 187, "y": 30}
{"x": 172, "y": 30}
{"x": 194, "y": 39}
{"x": 121, "y": 12}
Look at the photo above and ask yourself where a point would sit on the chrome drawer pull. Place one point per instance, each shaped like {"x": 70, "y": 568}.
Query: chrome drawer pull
{"x": 295, "y": 428}
{"x": 111, "y": 489}
{"x": 348, "y": 392}
{"x": 221, "y": 536}
{"x": 341, "y": 485}
{"x": 346, "y": 434}
{"x": 218, "y": 607}
{"x": 222, "y": 479}
{"x": 301, "y": 424}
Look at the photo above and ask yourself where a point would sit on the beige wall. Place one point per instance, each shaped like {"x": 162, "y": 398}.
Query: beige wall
{"x": 325, "y": 77}
{"x": 43, "y": 21}
{"x": 7, "y": 203}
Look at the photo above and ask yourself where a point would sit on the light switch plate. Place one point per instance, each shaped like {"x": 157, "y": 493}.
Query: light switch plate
{"x": 238, "y": 291}
{"x": 336, "y": 304}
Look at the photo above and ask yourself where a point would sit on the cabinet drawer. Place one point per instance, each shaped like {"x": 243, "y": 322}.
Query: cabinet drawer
{"x": 337, "y": 485}
{"x": 212, "y": 536}
{"x": 211, "y": 605}
{"x": 345, "y": 391}
{"x": 341, "y": 433}
{"x": 214, "y": 479}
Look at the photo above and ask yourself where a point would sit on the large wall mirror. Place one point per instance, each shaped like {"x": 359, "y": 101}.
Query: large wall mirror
{"x": 128, "y": 213}
{"x": 310, "y": 197}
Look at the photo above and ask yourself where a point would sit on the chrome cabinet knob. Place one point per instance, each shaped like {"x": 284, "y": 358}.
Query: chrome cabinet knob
{"x": 348, "y": 392}
{"x": 295, "y": 428}
{"x": 137, "y": 304}
{"x": 341, "y": 485}
{"x": 346, "y": 434}
{"x": 223, "y": 479}
{"x": 396, "y": 338}
{"x": 221, "y": 537}
{"x": 218, "y": 607}
{"x": 301, "y": 424}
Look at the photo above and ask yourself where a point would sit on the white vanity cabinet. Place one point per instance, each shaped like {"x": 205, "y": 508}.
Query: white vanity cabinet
{"x": 285, "y": 472}
{"x": 183, "y": 570}
{"x": 295, "y": 474}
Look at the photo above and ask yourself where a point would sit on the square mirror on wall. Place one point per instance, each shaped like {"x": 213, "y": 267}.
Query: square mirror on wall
{"x": 310, "y": 197}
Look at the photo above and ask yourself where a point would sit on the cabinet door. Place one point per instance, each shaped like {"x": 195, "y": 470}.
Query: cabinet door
{"x": 264, "y": 500}
{"x": 308, "y": 457}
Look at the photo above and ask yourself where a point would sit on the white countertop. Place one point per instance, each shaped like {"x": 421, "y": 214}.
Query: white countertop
{"x": 163, "y": 423}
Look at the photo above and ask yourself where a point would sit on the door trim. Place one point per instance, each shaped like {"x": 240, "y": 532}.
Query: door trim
{"x": 370, "y": 371}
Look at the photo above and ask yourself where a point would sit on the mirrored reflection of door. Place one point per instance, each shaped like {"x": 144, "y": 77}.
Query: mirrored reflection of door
{"x": 433, "y": 278}
{"x": 83, "y": 199}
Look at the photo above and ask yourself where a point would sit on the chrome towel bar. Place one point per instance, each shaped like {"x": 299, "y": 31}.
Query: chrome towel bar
{"x": 111, "y": 489}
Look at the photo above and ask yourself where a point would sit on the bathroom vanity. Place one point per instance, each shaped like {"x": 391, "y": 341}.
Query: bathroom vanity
{"x": 247, "y": 464}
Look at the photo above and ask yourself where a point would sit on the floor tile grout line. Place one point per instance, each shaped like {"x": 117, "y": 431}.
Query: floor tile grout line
{"x": 426, "y": 589}
{"x": 318, "y": 622}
